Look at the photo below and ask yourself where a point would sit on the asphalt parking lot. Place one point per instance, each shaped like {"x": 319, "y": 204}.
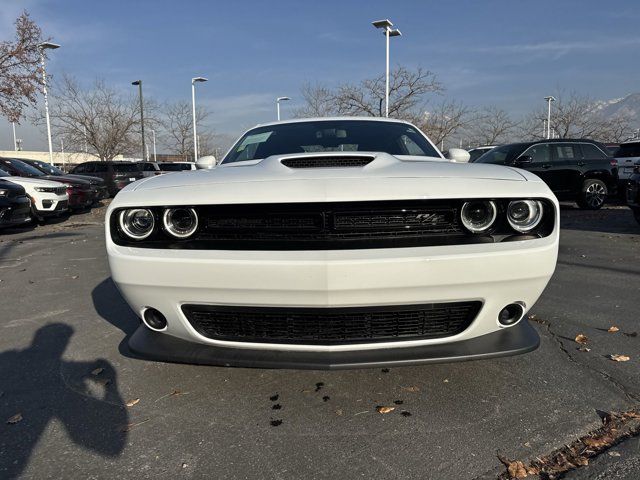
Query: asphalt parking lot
{"x": 75, "y": 403}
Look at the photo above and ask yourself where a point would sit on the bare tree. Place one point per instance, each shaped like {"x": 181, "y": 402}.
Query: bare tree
{"x": 20, "y": 71}
{"x": 491, "y": 125}
{"x": 407, "y": 91}
{"x": 444, "y": 121}
{"x": 177, "y": 127}
{"x": 98, "y": 117}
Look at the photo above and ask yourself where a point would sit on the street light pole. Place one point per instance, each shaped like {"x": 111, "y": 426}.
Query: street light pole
{"x": 278, "y": 100}
{"x": 388, "y": 32}
{"x": 153, "y": 132}
{"x": 549, "y": 99}
{"x": 193, "y": 105}
{"x": 139, "y": 84}
{"x": 15, "y": 143}
{"x": 42, "y": 47}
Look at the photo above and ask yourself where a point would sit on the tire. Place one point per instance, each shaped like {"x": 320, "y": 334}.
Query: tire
{"x": 593, "y": 194}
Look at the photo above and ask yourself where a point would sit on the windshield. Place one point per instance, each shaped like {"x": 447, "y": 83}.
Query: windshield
{"x": 24, "y": 168}
{"x": 331, "y": 136}
{"x": 501, "y": 155}
{"x": 46, "y": 168}
{"x": 174, "y": 167}
{"x": 4, "y": 174}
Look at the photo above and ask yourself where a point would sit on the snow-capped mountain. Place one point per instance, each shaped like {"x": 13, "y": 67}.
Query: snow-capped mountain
{"x": 628, "y": 106}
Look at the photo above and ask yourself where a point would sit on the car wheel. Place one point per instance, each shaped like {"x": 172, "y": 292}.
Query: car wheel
{"x": 593, "y": 195}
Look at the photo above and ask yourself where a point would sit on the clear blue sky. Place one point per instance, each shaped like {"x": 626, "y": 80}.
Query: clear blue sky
{"x": 501, "y": 52}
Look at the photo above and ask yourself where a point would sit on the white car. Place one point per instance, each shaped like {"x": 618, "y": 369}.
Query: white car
{"x": 333, "y": 243}
{"x": 48, "y": 198}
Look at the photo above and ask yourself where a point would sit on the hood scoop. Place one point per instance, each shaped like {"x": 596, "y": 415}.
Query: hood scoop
{"x": 344, "y": 161}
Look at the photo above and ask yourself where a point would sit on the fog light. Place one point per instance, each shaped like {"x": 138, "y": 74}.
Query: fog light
{"x": 511, "y": 314}
{"x": 154, "y": 319}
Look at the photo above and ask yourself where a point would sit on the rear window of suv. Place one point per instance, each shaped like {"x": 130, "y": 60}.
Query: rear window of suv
{"x": 628, "y": 150}
{"x": 125, "y": 167}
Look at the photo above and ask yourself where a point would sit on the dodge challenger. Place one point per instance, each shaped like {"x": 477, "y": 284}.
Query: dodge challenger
{"x": 333, "y": 243}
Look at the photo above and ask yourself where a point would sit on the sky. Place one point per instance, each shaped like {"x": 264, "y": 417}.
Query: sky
{"x": 507, "y": 53}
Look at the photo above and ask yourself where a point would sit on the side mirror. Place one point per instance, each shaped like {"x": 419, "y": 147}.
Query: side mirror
{"x": 458, "y": 155}
{"x": 206, "y": 163}
{"x": 524, "y": 160}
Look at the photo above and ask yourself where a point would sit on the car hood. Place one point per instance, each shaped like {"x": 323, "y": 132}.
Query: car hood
{"x": 30, "y": 181}
{"x": 89, "y": 178}
{"x": 382, "y": 165}
{"x": 68, "y": 179}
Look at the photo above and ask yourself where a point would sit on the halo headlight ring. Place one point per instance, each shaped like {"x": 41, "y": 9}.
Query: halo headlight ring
{"x": 478, "y": 216}
{"x": 180, "y": 222}
{"x": 524, "y": 215}
{"x": 136, "y": 223}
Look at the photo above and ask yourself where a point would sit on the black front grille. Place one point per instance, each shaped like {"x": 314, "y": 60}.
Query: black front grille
{"x": 326, "y": 162}
{"x": 331, "y": 326}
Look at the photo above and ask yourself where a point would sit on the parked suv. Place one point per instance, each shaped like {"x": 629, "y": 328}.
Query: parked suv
{"x": 633, "y": 193}
{"x": 117, "y": 175}
{"x": 578, "y": 170}
{"x": 15, "y": 206}
{"x": 150, "y": 169}
{"x": 628, "y": 157}
{"x": 95, "y": 182}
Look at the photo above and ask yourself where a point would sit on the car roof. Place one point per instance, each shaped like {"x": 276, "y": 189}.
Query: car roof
{"x": 330, "y": 119}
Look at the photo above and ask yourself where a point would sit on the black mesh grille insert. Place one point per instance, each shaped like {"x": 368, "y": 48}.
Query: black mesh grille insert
{"x": 329, "y": 326}
{"x": 326, "y": 162}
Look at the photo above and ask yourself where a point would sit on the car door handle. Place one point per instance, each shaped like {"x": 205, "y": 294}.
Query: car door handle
{"x": 581, "y": 164}
{"x": 546, "y": 165}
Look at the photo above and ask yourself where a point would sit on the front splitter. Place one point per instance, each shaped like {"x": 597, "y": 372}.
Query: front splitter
{"x": 149, "y": 345}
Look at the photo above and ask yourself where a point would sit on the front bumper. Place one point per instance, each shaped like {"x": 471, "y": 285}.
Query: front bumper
{"x": 50, "y": 204}
{"x": 495, "y": 274}
{"x": 15, "y": 211}
{"x": 150, "y": 345}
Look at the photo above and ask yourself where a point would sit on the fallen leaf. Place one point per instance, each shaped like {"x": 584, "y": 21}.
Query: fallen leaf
{"x": 339, "y": 412}
{"x": 619, "y": 358}
{"x": 176, "y": 393}
{"x": 584, "y": 349}
{"x": 613, "y": 329}
{"x": 411, "y": 389}
{"x": 597, "y": 442}
{"x": 133, "y": 402}
{"x": 385, "y": 409}
{"x": 517, "y": 470}
{"x": 97, "y": 371}
{"x": 102, "y": 381}
{"x": 75, "y": 277}
{"x": 614, "y": 454}
{"x": 581, "y": 339}
{"x": 15, "y": 419}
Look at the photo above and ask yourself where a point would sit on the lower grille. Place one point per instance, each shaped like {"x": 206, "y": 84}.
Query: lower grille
{"x": 331, "y": 326}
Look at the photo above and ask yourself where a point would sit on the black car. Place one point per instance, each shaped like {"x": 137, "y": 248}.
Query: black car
{"x": 579, "y": 170}
{"x": 81, "y": 193}
{"x": 116, "y": 175}
{"x": 633, "y": 193}
{"x": 15, "y": 206}
{"x": 96, "y": 182}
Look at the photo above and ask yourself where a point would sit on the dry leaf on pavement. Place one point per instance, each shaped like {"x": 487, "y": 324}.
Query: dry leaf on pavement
{"x": 385, "y": 409}
{"x": 133, "y": 402}
{"x": 613, "y": 329}
{"x": 581, "y": 339}
{"x": 517, "y": 470}
{"x": 412, "y": 389}
{"x": 15, "y": 419}
{"x": 619, "y": 358}
{"x": 97, "y": 371}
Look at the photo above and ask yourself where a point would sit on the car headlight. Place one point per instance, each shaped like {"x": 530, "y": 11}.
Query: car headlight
{"x": 4, "y": 193}
{"x": 180, "y": 222}
{"x": 478, "y": 215}
{"x": 524, "y": 215}
{"x": 45, "y": 189}
{"x": 137, "y": 223}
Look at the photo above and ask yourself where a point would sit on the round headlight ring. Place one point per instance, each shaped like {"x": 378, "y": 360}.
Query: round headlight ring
{"x": 137, "y": 223}
{"x": 478, "y": 216}
{"x": 180, "y": 222}
{"x": 524, "y": 215}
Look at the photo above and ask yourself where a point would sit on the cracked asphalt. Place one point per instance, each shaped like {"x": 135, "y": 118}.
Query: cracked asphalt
{"x": 66, "y": 378}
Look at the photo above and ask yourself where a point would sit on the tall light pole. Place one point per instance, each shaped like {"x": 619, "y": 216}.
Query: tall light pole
{"x": 388, "y": 32}
{"x": 15, "y": 143}
{"x": 153, "y": 132}
{"x": 193, "y": 104}
{"x": 42, "y": 47}
{"x": 138, "y": 83}
{"x": 278, "y": 100}
{"x": 549, "y": 99}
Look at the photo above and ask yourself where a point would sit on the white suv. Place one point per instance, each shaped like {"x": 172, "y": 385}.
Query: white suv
{"x": 47, "y": 198}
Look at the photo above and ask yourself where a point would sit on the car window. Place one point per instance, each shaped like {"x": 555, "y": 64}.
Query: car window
{"x": 100, "y": 168}
{"x": 80, "y": 169}
{"x": 148, "y": 167}
{"x": 539, "y": 153}
{"x": 592, "y": 152}
{"x": 174, "y": 167}
{"x": 501, "y": 155}
{"x": 24, "y": 168}
{"x": 125, "y": 167}
{"x": 567, "y": 151}
{"x": 628, "y": 150}
{"x": 331, "y": 136}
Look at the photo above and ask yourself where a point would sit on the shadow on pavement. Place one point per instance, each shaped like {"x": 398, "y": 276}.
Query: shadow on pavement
{"x": 112, "y": 307}
{"x": 605, "y": 220}
{"x": 39, "y": 386}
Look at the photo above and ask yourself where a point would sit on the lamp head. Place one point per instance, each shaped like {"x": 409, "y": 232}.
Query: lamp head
{"x": 137, "y": 82}
{"x": 48, "y": 46}
{"x": 198, "y": 79}
{"x": 386, "y": 23}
